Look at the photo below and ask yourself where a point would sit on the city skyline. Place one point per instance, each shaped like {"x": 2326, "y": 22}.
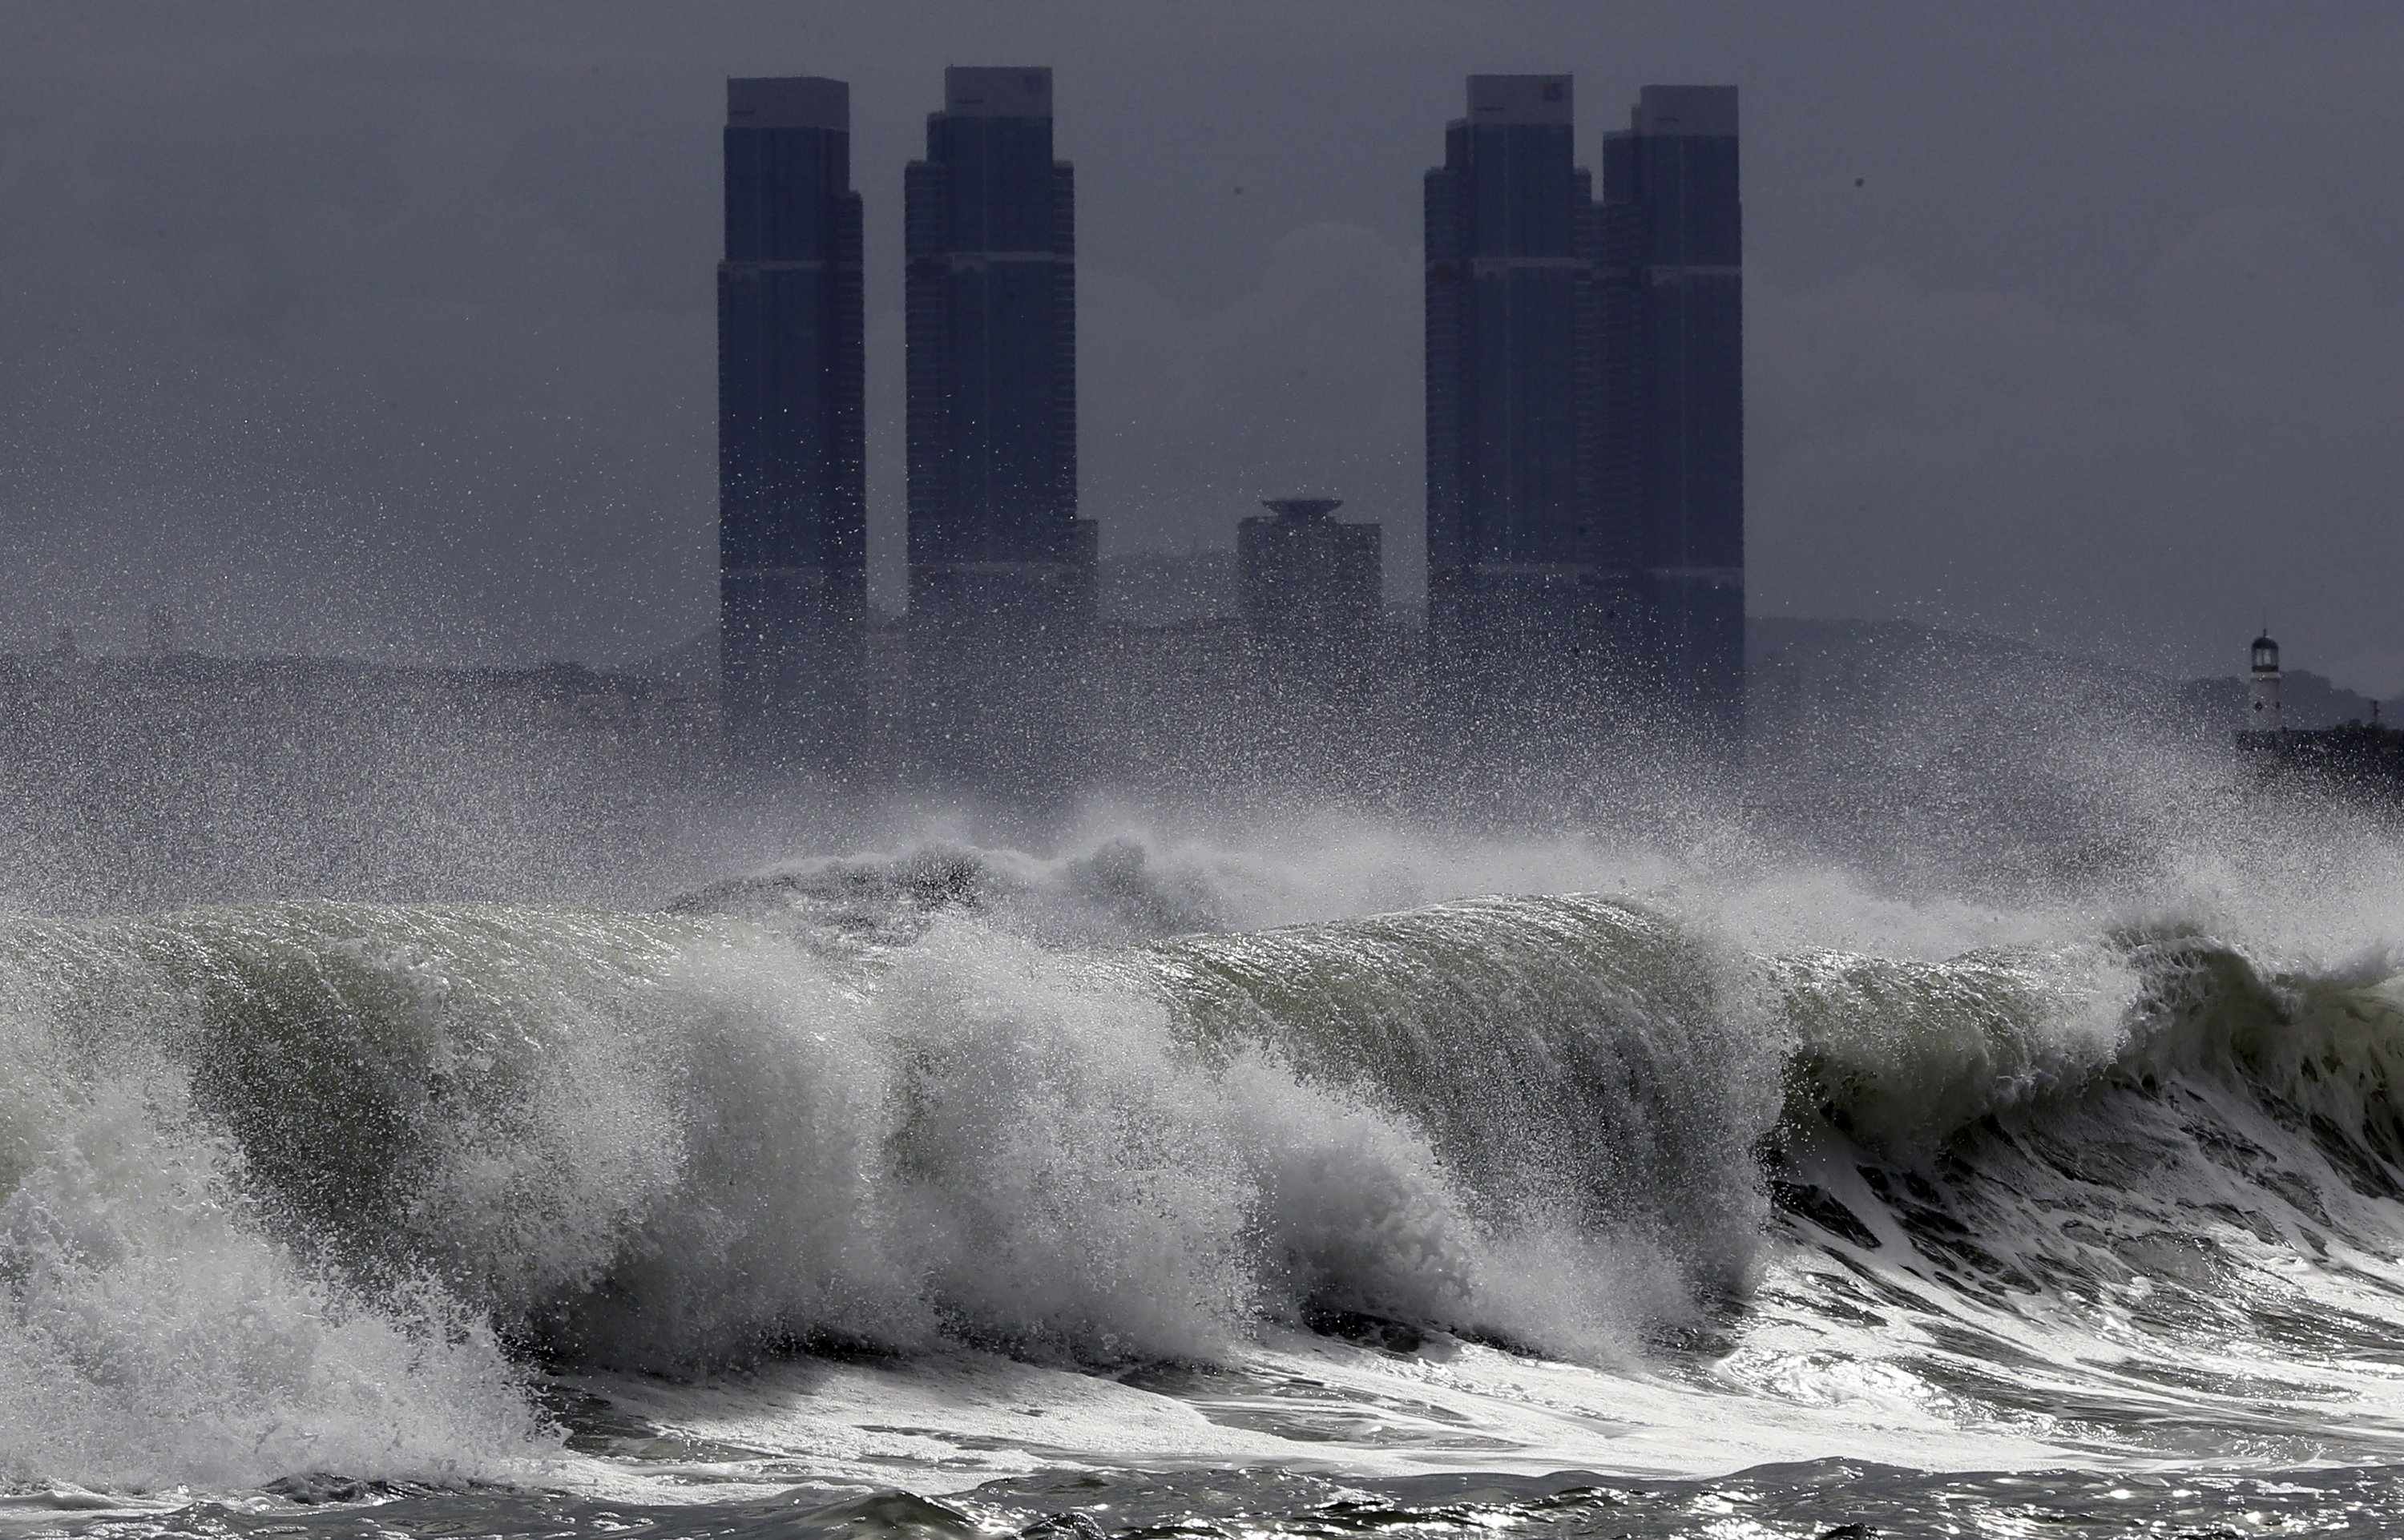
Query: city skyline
{"x": 1084, "y": 770}
{"x": 1584, "y": 394}
{"x": 481, "y": 480}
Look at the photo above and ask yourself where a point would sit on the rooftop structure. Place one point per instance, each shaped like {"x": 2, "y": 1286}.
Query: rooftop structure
{"x": 1301, "y": 570}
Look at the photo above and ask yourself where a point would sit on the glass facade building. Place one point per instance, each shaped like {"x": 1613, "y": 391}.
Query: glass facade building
{"x": 1672, "y": 450}
{"x": 1584, "y": 423}
{"x": 990, "y": 242}
{"x": 792, "y": 503}
{"x": 1001, "y": 567}
{"x": 1525, "y": 580}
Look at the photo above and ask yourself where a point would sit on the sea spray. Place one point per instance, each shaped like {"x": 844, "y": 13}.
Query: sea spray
{"x": 679, "y": 1142}
{"x": 429, "y": 1151}
{"x": 1583, "y": 1065}
{"x": 152, "y": 1333}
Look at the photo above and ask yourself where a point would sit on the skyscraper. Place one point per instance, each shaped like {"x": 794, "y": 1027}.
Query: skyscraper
{"x": 1001, "y": 569}
{"x": 1526, "y": 582}
{"x": 1672, "y": 445}
{"x": 792, "y": 521}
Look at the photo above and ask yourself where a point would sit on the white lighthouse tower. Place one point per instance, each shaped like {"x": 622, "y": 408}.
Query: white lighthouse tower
{"x": 2262, "y": 715}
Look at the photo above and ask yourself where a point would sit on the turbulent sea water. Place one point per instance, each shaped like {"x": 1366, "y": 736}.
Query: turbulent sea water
{"x": 1155, "y": 1190}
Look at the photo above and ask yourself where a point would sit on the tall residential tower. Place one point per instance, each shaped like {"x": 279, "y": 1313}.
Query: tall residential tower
{"x": 1585, "y": 425}
{"x": 1526, "y": 582}
{"x": 792, "y": 504}
{"x": 1001, "y": 569}
{"x": 1672, "y": 444}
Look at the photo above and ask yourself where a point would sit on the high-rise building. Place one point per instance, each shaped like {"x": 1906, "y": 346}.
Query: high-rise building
{"x": 1527, "y": 583}
{"x": 1001, "y": 569}
{"x": 1673, "y": 417}
{"x": 792, "y": 503}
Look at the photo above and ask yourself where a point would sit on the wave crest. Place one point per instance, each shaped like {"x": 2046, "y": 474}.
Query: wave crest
{"x": 415, "y": 1135}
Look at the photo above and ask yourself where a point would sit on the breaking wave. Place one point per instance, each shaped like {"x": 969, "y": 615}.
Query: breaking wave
{"x": 328, "y": 1187}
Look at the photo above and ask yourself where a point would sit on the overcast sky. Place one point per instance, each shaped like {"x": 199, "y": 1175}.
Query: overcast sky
{"x": 388, "y": 328}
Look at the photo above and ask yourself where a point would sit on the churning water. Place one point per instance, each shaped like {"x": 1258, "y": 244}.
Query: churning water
{"x": 1157, "y": 1189}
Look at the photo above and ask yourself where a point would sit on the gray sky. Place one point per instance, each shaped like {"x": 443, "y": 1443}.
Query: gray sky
{"x": 386, "y": 328}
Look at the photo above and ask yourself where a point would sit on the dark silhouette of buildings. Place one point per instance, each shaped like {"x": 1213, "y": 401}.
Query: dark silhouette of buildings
{"x": 1526, "y": 587}
{"x": 1001, "y": 569}
{"x": 1585, "y": 432}
{"x": 793, "y": 494}
{"x": 1584, "y": 424}
{"x": 1671, "y": 436}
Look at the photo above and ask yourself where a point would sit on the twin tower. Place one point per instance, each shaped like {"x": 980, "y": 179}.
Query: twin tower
{"x": 1001, "y": 569}
{"x": 1584, "y": 428}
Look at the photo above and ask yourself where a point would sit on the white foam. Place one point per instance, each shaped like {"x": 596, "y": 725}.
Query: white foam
{"x": 150, "y": 1336}
{"x": 682, "y": 1143}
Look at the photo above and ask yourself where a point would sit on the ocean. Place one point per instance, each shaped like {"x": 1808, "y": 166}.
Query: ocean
{"x": 1361, "y": 1183}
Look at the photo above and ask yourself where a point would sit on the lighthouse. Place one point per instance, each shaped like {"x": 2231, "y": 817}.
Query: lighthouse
{"x": 2262, "y": 714}
{"x": 2355, "y": 759}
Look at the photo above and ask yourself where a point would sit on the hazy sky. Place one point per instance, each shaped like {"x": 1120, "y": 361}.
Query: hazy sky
{"x": 388, "y": 328}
